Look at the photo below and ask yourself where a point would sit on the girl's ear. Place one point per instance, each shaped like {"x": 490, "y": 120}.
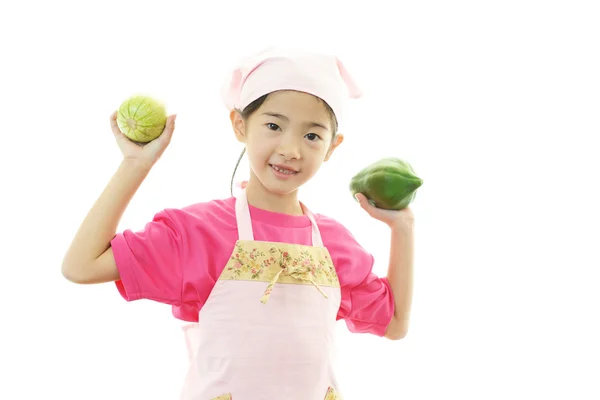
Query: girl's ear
{"x": 337, "y": 140}
{"x": 239, "y": 125}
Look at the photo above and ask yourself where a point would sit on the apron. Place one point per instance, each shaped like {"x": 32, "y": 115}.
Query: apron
{"x": 267, "y": 330}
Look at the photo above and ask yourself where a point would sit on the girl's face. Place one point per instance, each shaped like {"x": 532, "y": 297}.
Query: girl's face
{"x": 287, "y": 139}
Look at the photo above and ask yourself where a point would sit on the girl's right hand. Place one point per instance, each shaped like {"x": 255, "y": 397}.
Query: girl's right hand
{"x": 147, "y": 154}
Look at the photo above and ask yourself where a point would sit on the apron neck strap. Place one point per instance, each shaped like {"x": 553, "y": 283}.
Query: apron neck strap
{"x": 242, "y": 215}
{"x": 244, "y": 221}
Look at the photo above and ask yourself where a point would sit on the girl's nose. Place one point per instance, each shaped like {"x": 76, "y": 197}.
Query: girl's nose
{"x": 289, "y": 147}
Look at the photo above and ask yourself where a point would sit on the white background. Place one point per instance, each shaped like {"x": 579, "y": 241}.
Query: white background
{"x": 495, "y": 104}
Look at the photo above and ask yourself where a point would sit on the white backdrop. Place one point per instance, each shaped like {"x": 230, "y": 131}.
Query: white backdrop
{"x": 495, "y": 104}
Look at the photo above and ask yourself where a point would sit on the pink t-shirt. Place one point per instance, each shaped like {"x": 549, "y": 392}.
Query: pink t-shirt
{"x": 178, "y": 257}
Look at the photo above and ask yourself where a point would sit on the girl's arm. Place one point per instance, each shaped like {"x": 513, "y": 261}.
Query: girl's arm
{"x": 400, "y": 270}
{"x": 89, "y": 259}
{"x": 400, "y": 277}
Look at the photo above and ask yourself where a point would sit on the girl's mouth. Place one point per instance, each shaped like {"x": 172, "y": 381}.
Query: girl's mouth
{"x": 280, "y": 169}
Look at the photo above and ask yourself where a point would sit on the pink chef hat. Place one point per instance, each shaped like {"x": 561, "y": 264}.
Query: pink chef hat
{"x": 275, "y": 69}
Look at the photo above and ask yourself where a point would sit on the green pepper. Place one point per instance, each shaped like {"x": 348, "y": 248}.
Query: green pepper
{"x": 390, "y": 183}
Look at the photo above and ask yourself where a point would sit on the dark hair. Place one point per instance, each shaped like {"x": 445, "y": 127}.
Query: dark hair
{"x": 255, "y": 105}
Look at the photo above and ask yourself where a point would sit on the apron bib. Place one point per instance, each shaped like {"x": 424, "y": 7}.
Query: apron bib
{"x": 266, "y": 332}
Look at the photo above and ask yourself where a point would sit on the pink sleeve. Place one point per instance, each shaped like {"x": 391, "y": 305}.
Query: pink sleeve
{"x": 150, "y": 261}
{"x": 367, "y": 300}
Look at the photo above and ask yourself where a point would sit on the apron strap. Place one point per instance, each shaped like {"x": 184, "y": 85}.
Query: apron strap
{"x": 242, "y": 215}
{"x": 244, "y": 221}
{"x": 316, "y": 234}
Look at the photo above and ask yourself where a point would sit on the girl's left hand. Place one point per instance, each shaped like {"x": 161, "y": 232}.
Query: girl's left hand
{"x": 403, "y": 219}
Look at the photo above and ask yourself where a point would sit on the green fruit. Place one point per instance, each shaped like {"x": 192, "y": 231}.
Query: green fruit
{"x": 390, "y": 183}
{"x": 142, "y": 118}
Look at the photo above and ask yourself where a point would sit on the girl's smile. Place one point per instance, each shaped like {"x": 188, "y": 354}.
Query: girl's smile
{"x": 282, "y": 171}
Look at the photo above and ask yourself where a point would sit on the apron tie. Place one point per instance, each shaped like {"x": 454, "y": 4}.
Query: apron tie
{"x": 301, "y": 271}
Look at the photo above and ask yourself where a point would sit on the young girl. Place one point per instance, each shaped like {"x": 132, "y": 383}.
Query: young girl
{"x": 261, "y": 279}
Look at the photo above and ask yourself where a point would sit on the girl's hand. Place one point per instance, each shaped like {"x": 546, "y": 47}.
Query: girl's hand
{"x": 145, "y": 153}
{"x": 403, "y": 219}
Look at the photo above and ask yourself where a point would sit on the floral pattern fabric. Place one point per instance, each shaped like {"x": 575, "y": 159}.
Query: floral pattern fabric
{"x": 331, "y": 395}
{"x": 281, "y": 262}
{"x": 224, "y": 397}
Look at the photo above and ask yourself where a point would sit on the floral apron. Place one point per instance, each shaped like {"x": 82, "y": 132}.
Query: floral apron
{"x": 267, "y": 330}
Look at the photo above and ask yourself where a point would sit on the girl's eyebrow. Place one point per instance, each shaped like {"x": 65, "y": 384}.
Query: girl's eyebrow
{"x": 286, "y": 119}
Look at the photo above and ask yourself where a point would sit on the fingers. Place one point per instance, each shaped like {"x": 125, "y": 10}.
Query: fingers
{"x": 114, "y": 126}
{"x": 362, "y": 200}
{"x": 169, "y": 128}
{"x": 365, "y": 204}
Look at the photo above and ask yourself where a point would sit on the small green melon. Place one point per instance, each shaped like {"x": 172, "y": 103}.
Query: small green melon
{"x": 142, "y": 118}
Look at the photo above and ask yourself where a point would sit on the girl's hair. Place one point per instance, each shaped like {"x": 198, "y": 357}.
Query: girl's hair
{"x": 255, "y": 105}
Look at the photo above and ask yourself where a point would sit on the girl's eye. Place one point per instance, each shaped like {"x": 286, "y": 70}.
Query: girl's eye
{"x": 313, "y": 137}
{"x": 272, "y": 126}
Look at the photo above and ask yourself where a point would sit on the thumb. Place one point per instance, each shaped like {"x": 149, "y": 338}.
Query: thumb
{"x": 367, "y": 204}
{"x": 362, "y": 200}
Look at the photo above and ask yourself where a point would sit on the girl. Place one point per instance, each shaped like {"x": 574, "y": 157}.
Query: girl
{"x": 261, "y": 279}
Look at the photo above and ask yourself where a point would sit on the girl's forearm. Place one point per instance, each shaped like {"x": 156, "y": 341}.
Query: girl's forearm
{"x": 99, "y": 226}
{"x": 400, "y": 277}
